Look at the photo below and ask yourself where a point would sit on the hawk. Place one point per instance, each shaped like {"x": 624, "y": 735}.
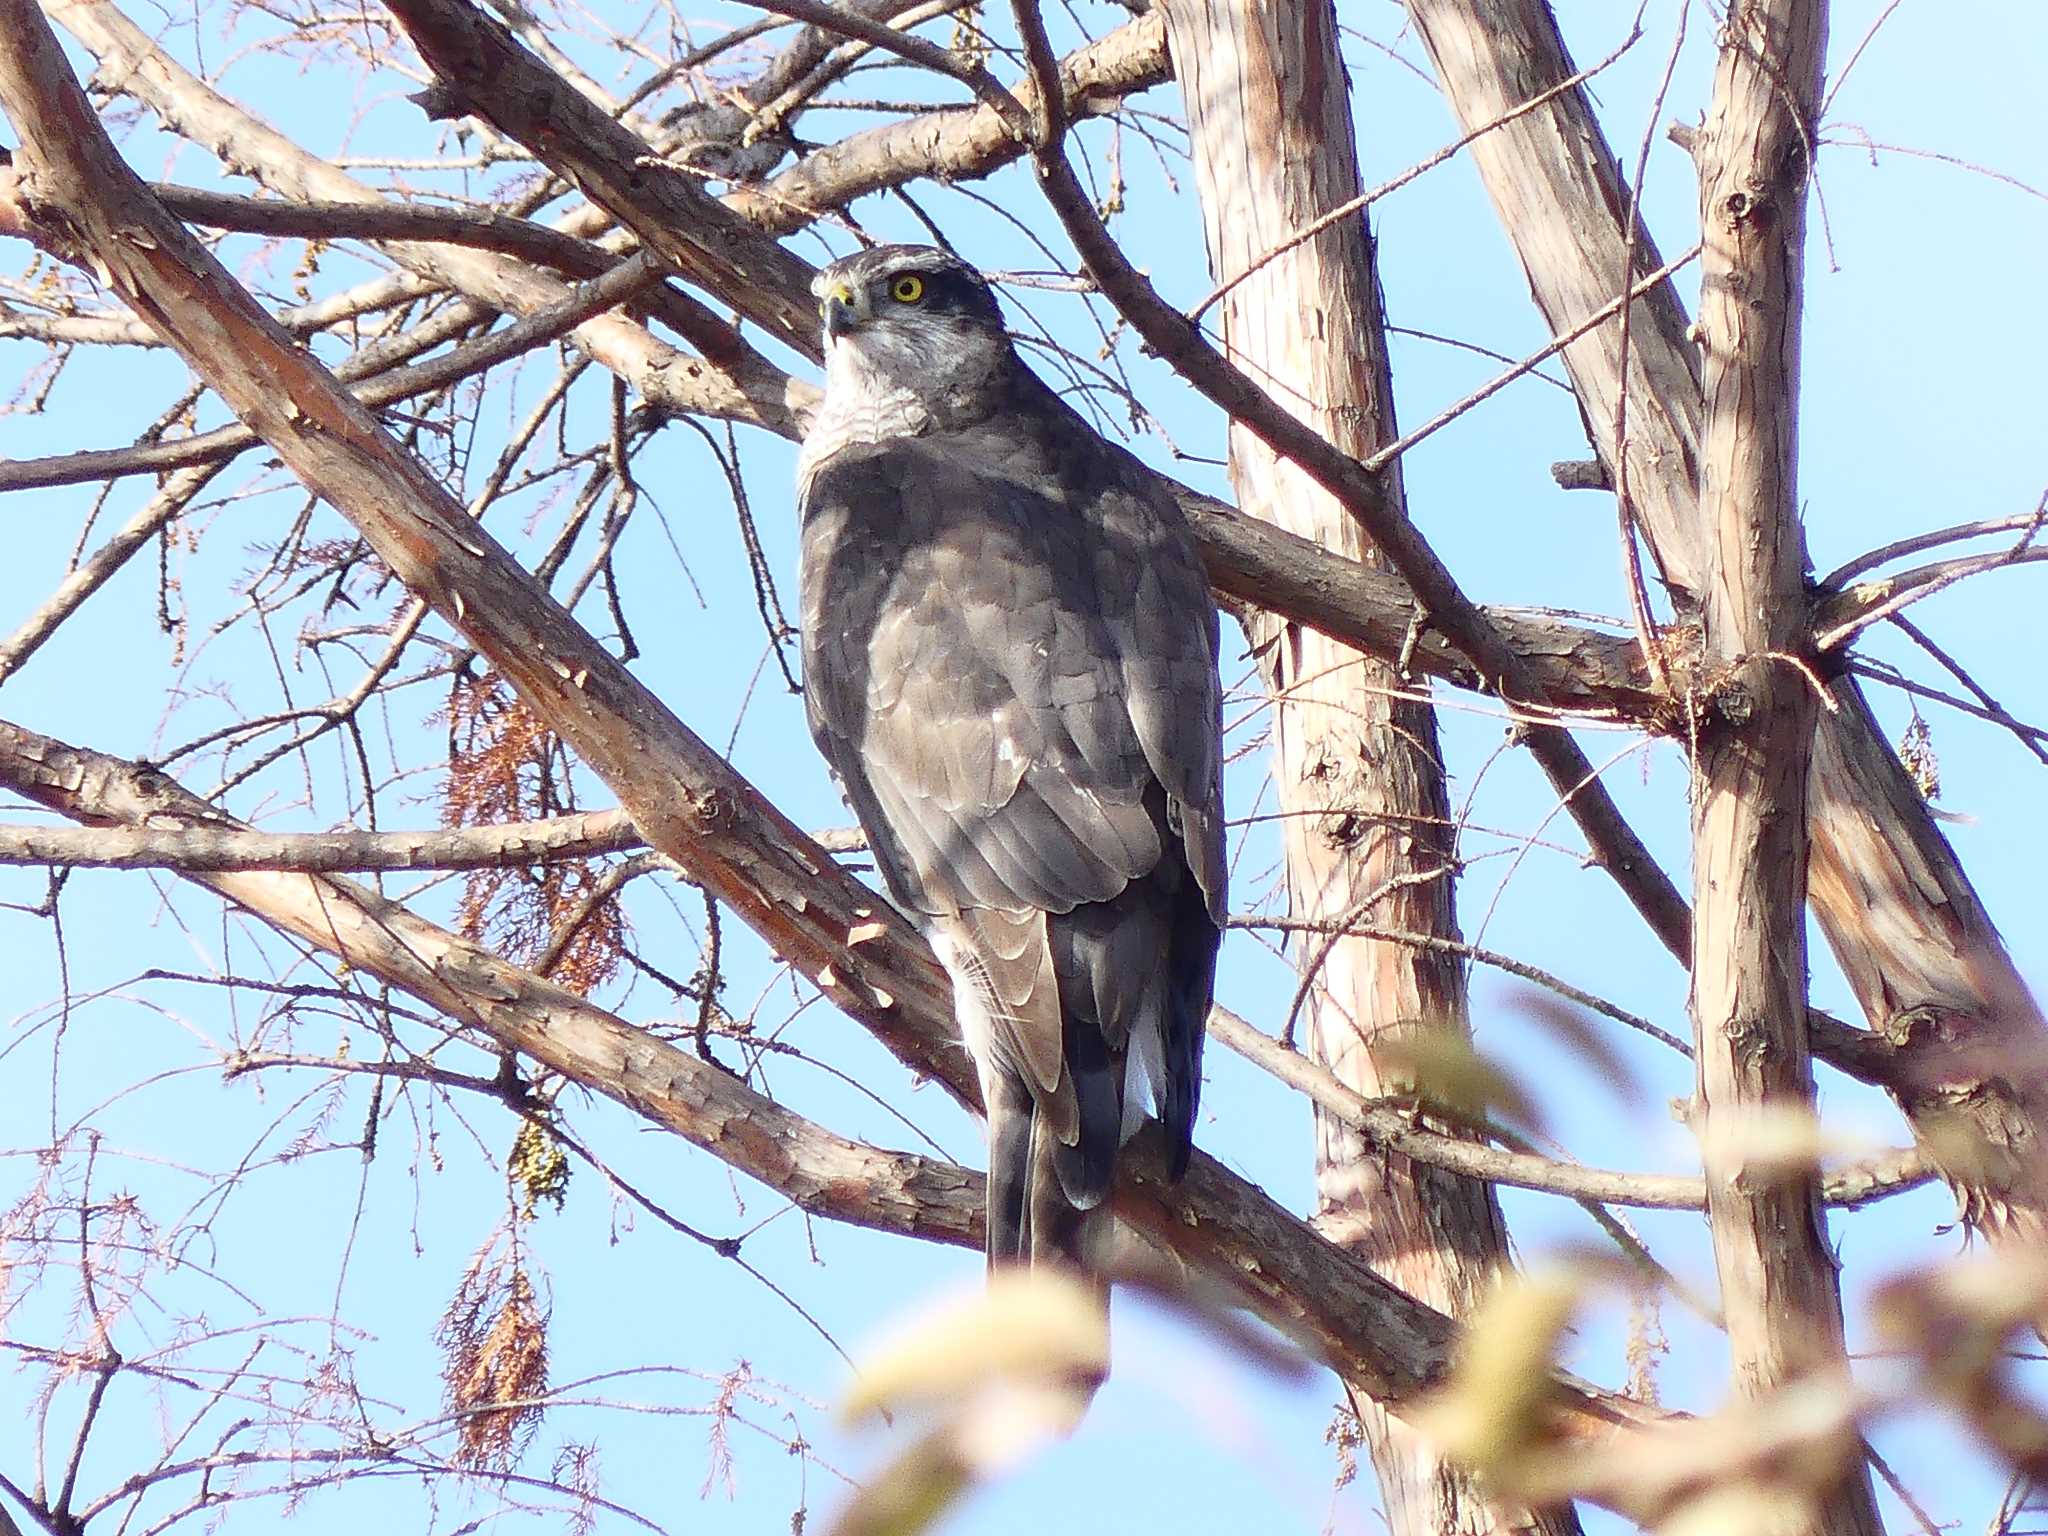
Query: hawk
{"x": 1010, "y": 661}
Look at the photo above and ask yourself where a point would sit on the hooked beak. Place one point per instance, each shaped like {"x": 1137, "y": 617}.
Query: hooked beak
{"x": 843, "y": 310}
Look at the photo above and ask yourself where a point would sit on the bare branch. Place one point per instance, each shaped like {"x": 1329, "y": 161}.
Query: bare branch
{"x": 1929, "y": 944}
{"x": 1847, "y": 615}
{"x": 149, "y": 520}
{"x": 954, "y": 144}
{"x": 1839, "y": 577}
{"x": 731, "y": 380}
{"x": 1427, "y": 163}
{"x": 220, "y": 849}
{"x": 1381, "y": 458}
{"x": 1380, "y": 1339}
{"x": 478, "y": 228}
{"x": 1771, "y": 1250}
{"x": 619, "y": 285}
{"x": 1443, "y": 604}
{"x": 703, "y": 239}
{"x": 1391, "y": 1126}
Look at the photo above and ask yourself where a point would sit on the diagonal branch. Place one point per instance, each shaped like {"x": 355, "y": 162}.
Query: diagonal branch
{"x": 702, "y": 238}
{"x": 86, "y": 204}
{"x": 1377, "y": 1338}
{"x": 84, "y": 201}
{"x": 1843, "y": 618}
{"x": 1927, "y": 963}
{"x": 1441, "y": 602}
{"x": 1570, "y": 669}
{"x": 823, "y": 1173}
{"x": 579, "y": 305}
{"x": 954, "y": 144}
{"x": 1350, "y": 749}
{"x": 731, "y": 381}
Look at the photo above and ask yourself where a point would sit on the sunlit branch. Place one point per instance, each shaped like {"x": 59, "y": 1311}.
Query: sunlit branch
{"x": 1844, "y": 617}
{"x": 1392, "y": 1126}
{"x": 1442, "y": 603}
{"x": 1841, "y": 575}
{"x": 953, "y": 144}
{"x": 1429, "y": 162}
{"x": 618, "y": 286}
{"x": 201, "y": 849}
{"x": 1372, "y": 1333}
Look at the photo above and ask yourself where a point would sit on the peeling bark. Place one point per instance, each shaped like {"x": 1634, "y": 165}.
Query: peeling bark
{"x": 86, "y": 204}
{"x": 1929, "y": 968}
{"x": 1358, "y": 777}
{"x": 1779, "y": 1289}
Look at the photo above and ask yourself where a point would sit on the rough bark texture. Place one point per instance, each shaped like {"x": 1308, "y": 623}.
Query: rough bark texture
{"x": 81, "y": 201}
{"x": 1374, "y": 1337}
{"x": 1929, "y": 969}
{"x": 1779, "y": 1291}
{"x": 826, "y": 1174}
{"x": 1357, "y": 774}
{"x": 580, "y": 836}
{"x": 1567, "y": 667}
{"x": 1564, "y": 205}
{"x": 741, "y": 387}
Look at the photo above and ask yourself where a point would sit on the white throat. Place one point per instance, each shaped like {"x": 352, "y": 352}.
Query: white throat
{"x": 864, "y": 403}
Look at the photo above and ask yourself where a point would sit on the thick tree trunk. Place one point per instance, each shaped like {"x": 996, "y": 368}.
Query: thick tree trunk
{"x": 1357, "y": 772}
{"x": 1778, "y": 1284}
{"x": 1929, "y": 969}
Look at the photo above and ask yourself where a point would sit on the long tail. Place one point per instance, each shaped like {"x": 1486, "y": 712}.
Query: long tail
{"x": 1031, "y": 1220}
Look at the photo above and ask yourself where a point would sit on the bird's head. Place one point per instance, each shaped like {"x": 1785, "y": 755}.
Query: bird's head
{"x": 910, "y": 318}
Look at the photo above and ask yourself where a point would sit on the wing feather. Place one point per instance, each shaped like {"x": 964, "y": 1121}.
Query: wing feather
{"x": 1013, "y": 671}
{"x": 958, "y": 667}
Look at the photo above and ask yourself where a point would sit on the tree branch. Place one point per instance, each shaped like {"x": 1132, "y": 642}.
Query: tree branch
{"x": 688, "y": 801}
{"x": 2025, "y": 522}
{"x": 1351, "y": 747}
{"x": 199, "y": 850}
{"x": 1443, "y": 604}
{"x": 1394, "y": 1127}
{"x": 1749, "y": 973}
{"x": 621, "y": 283}
{"x": 666, "y": 207}
{"x": 1377, "y": 1338}
{"x": 738, "y": 386}
{"x": 955, "y": 143}
{"x": 1571, "y": 670}
{"x": 1845, "y": 616}
{"x": 1897, "y": 907}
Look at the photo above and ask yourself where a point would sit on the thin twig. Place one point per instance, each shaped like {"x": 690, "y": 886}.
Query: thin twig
{"x": 1426, "y": 164}
{"x": 1385, "y": 456}
{"x": 1909, "y": 587}
{"x": 1839, "y": 577}
{"x": 2028, "y": 736}
{"x": 1624, "y": 503}
{"x": 1590, "y": 1001}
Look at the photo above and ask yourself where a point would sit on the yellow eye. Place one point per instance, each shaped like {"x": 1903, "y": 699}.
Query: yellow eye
{"x": 907, "y": 289}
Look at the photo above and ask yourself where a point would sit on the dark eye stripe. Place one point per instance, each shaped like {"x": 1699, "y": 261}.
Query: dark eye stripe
{"x": 943, "y": 292}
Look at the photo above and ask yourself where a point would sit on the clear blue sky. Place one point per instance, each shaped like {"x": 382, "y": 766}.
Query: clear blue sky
{"x": 1922, "y": 407}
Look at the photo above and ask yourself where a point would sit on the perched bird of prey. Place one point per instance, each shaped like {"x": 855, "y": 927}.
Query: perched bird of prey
{"x": 1010, "y": 660}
